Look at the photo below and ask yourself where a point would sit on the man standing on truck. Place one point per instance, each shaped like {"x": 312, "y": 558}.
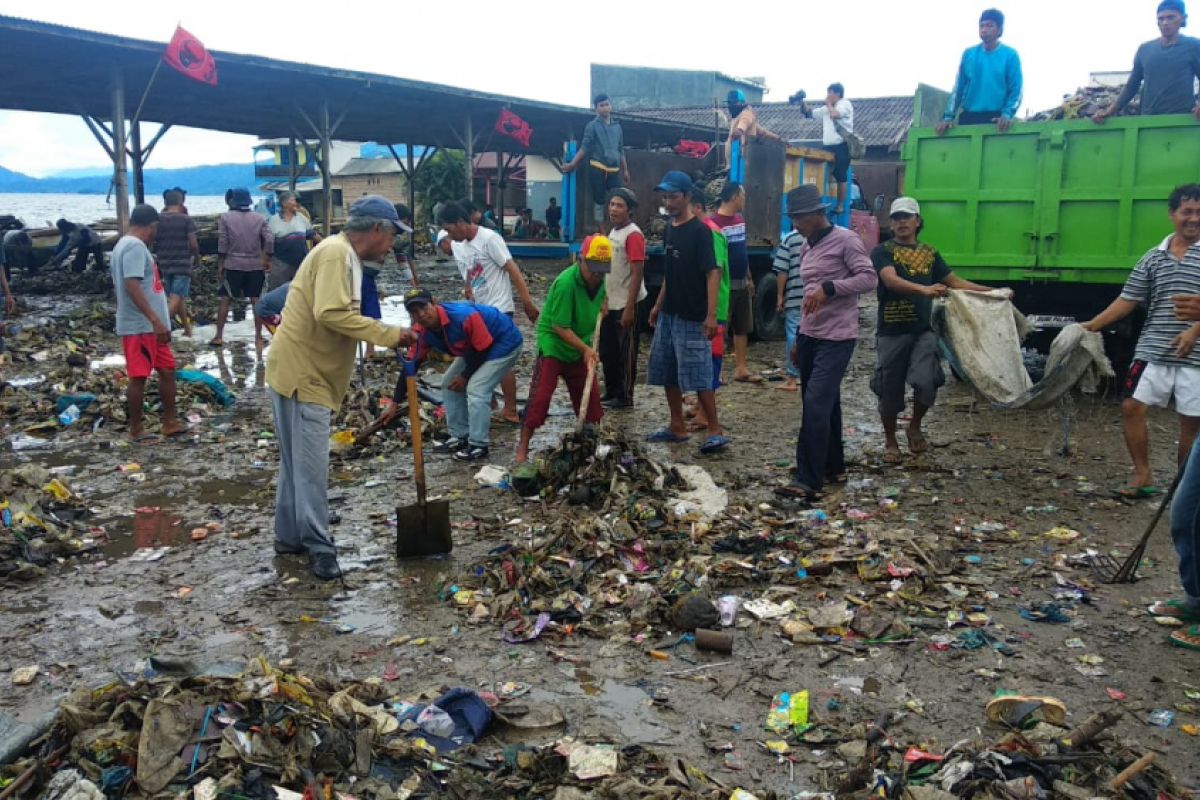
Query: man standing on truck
{"x": 685, "y": 316}
{"x": 1165, "y": 69}
{"x": 837, "y": 113}
{"x": 743, "y": 123}
{"x": 836, "y": 269}
{"x": 1166, "y": 361}
{"x": 988, "y": 86}
{"x": 603, "y": 146}
{"x": 729, "y": 219}
{"x": 911, "y": 275}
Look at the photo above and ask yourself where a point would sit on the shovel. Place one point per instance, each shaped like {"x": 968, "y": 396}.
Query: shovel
{"x": 422, "y": 529}
{"x": 591, "y": 374}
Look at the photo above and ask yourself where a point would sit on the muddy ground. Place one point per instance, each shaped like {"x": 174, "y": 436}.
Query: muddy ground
{"x": 229, "y": 598}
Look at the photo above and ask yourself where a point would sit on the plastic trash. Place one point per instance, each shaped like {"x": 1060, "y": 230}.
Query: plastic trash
{"x": 435, "y": 722}
{"x": 81, "y": 401}
{"x": 69, "y": 415}
{"x": 789, "y": 711}
{"x": 1161, "y": 717}
{"x": 727, "y": 609}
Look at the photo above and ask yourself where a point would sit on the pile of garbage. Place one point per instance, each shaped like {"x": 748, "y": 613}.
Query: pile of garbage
{"x": 264, "y": 732}
{"x": 41, "y": 520}
{"x": 1088, "y": 101}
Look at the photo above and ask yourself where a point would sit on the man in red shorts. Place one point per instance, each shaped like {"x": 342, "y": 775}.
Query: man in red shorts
{"x": 143, "y": 323}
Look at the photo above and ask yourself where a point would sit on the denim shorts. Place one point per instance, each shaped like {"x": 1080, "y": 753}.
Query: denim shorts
{"x": 680, "y": 355}
{"x": 178, "y": 285}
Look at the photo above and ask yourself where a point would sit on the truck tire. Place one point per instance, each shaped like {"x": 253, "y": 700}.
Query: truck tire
{"x": 768, "y": 322}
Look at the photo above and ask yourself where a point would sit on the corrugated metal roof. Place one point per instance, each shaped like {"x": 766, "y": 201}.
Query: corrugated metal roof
{"x": 369, "y": 166}
{"x": 881, "y": 121}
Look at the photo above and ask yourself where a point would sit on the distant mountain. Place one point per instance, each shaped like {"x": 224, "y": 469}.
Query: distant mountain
{"x": 210, "y": 179}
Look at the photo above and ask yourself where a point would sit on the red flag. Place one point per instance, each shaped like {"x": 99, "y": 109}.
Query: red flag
{"x": 186, "y": 54}
{"x": 513, "y": 126}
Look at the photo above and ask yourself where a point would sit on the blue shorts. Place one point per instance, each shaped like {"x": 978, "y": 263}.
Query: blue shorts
{"x": 680, "y": 355}
{"x": 178, "y": 285}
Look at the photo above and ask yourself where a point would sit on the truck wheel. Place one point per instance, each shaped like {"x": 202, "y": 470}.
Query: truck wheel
{"x": 768, "y": 322}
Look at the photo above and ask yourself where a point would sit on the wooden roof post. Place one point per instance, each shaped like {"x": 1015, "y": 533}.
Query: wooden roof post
{"x": 120, "y": 178}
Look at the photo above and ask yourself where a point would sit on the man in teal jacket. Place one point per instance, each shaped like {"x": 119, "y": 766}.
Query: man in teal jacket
{"x": 988, "y": 86}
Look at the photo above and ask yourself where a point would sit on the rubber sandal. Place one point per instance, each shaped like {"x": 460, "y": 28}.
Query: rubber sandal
{"x": 892, "y": 457}
{"x": 1014, "y": 710}
{"x": 1178, "y": 609}
{"x": 146, "y": 438}
{"x": 499, "y": 420}
{"x": 666, "y": 435}
{"x": 1139, "y": 492}
{"x": 795, "y": 490}
{"x": 179, "y": 433}
{"x": 715, "y": 444}
{"x": 216, "y": 342}
{"x": 748, "y": 379}
{"x": 917, "y": 444}
{"x": 786, "y": 388}
{"x": 1187, "y": 639}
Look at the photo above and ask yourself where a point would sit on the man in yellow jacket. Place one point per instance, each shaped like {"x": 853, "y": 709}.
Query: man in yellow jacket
{"x": 309, "y": 369}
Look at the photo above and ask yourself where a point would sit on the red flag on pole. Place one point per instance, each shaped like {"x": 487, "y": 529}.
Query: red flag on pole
{"x": 513, "y": 126}
{"x": 187, "y": 55}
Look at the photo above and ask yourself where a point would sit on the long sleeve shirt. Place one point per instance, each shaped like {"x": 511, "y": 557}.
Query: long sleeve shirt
{"x": 987, "y": 82}
{"x": 242, "y": 239}
{"x": 1166, "y": 76}
{"x": 312, "y": 354}
{"x": 835, "y": 259}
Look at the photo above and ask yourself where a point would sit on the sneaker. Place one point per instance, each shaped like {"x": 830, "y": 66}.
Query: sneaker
{"x": 451, "y": 445}
{"x": 614, "y": 403}
{"x": 324, "y": 567}
{"x": 471, "y": 452}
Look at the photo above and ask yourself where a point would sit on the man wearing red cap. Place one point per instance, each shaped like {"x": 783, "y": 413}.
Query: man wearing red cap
{"x": 564, "y": 339}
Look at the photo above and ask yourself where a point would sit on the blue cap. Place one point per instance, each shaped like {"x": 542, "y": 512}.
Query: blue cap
{"x": 675, "y": 181}
{"x": 736, "y": 96}
{"x": 373, "y": 205}
{"x": 240, "y": 198}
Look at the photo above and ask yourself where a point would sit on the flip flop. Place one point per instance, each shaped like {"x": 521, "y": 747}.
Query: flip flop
{"x": 177, "y": 434}
{"x": 1187, "y": 639}
{"x": 146, "y": 438}
{"x": 666, "y": 435}
{"x": 748, "y": 379}
{"x": 1013, "y": 710}
{"x": 786, "y": 388}
{"x": 216, "y": 342}
{"x": 1178, "y": 609}
{"x": 795, "y": 490}
{"x": 917, "y": 443}
{"x": 715, "y": 444}
{"x": 1139, "y": 492}
{"x": 892, "y": 457}
{"x": 500, "y": 420}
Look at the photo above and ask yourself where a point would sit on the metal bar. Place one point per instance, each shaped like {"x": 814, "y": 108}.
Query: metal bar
{"x": 326, "y": 172}
{"x": 410, "y": 176}
{"x": 500, "y": 186}
{"x": 135, "y": 141}
{"x": 400, "y": 162}
{"x": 149, "y": 148}
{"x": 469, "y": 147}
{"x": 120, "y": 178}
{"x": 292, "y": 157}
{"x": 99, "y": 136}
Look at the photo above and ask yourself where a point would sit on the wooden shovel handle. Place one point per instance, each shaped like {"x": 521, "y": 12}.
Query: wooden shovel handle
{"x": 586, "y": 400}
{"x": 414, "y": 421}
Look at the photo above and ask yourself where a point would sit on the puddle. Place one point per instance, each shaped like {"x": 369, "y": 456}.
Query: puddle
{"x": 628, "y": 706}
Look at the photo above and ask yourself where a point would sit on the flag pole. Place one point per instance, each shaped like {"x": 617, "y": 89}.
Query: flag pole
{"x": 137, "y": 115}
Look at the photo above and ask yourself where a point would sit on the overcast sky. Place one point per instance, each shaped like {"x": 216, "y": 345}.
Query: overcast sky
{"x": 542, "y": 50}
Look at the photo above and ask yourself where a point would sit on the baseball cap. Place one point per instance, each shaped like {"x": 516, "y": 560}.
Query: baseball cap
{"x": 597, "y": 252}
{"x": 904, "y": 205}
{"x": 143, "y": 215}
{"x": 735, "y": 96}
{"x": 417, "y": 297}
{"x": 373, "y": 205}
{"x": 674, "y": 181}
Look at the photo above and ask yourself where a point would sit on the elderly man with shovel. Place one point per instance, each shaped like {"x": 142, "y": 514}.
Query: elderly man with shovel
{"x": 566, "y": 336}
{"x": 308, "y": 373}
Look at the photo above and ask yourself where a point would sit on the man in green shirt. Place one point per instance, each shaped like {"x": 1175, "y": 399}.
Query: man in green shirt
{"x": 564, "y": 339}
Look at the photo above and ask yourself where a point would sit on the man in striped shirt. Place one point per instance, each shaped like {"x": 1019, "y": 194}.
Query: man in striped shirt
{"x": 1166, "y": 361}
{"x": 789, "y": 297}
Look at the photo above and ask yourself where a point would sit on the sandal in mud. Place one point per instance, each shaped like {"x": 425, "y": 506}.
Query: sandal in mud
{"x": 1179, "y": 609}
{"x": 1015, "y": 710}
{"x": 1188, "y": 639}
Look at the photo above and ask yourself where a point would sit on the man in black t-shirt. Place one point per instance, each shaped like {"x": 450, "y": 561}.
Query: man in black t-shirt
{"x": 911, "y": 275}
{"x": 685, "y": 316}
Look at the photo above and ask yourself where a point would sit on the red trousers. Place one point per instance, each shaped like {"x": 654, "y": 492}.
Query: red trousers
{"x": 546, "y": 372}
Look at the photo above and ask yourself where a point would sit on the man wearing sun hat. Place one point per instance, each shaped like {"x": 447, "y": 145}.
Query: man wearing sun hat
{"x": 564, "y": 339}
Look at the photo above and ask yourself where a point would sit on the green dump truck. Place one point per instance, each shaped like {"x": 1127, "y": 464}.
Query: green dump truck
{"x": 1059, "y": 210}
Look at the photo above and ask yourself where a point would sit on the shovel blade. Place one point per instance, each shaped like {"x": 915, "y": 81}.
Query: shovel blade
{"x": 423, "y": 530}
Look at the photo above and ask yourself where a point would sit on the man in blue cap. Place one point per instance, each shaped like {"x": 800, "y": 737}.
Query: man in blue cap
{"x": 685, "y": 316}
{"x": 743, "y": 123}
{"x": 988, "y": 86}
{"x": 244, "y": 248}
{"x": 312, "y": 359}
{"x": 1165, "y": 69}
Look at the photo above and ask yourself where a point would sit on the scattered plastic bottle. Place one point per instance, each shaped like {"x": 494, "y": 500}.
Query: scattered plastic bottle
{"x": 69, "y": 416}
{"x": 727, "y": 609}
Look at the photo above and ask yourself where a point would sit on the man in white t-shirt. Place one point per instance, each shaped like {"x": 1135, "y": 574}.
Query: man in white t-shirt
{"x": 489, "y": 274}
{"x": 625, "y": 289}
{"x": 837, "y": 108}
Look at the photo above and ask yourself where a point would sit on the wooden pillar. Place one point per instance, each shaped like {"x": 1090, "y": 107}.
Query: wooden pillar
{"x": 469, "y": 148}
{"x": 120, "y": 178}
{"x": 139, "y": 161}
{"x": 410, "y": 177}
{"x": 326, "y": 172}
{"x": 292, "y": 166}
{"x": 500, "y": 187}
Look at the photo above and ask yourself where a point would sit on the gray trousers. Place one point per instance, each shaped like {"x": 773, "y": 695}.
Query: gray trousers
{"x": 301, "y": 489}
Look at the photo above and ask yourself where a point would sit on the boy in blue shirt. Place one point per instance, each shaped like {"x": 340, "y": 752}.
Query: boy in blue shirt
{"x": 988, "y": 86}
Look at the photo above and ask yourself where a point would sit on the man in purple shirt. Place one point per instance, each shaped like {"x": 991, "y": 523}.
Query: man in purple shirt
{"x": 244, "y": 248}
{"x": 835, "y": 270}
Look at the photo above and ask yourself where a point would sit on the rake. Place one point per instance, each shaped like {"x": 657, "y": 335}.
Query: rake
{"x": 1127, "y": 572}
